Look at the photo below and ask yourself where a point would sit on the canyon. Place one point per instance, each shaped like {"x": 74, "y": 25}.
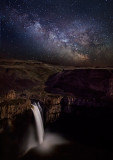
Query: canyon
{"x": 59, "y": 89}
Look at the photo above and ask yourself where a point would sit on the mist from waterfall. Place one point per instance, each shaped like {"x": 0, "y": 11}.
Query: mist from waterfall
{"x": 38, "y": 122}
{"x": 43, "y": 142}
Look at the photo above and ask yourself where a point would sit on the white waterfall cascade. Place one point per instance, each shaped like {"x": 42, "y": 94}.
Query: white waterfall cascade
{"x": 39, "y": 122}
{"x": 46, "y": 141}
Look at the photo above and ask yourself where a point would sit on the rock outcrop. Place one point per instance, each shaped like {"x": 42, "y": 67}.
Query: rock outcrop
{"x": 82, "y": 83}
{"x": 52, "y": 107}
{"x": 16, "y": 108}
{"x": 11, "y": 106}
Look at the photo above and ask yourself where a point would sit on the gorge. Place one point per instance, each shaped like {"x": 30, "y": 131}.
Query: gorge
{"x": 76, "y": 102}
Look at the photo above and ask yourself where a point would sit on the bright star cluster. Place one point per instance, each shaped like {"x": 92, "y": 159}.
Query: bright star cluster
{"x": 71, "y": 32}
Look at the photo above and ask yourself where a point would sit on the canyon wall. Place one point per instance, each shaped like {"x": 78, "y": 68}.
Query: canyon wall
{"x": 64, "y": 91}
{"x": 10, "y": 111}
{"x": 52, "y": 107}
{"x": 82, "y": 83}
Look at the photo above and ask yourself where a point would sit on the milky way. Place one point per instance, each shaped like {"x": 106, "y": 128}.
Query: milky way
{"x": 67, "y": 32}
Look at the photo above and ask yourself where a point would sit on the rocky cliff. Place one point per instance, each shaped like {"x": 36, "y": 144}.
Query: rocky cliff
{"x": 9, "y": 109}
{"x": 81, "y": 83}
{"x": 11, "y": 106}
{"x": 52, "y": 107}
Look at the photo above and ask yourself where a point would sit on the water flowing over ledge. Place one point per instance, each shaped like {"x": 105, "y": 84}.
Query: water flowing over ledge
{"x": 38, "y": 122}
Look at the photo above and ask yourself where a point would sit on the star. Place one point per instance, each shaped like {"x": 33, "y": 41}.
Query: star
{"x": 71, "y": 30}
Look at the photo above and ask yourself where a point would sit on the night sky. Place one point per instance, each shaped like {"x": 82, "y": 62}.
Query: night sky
{"x": 68, "y": 32}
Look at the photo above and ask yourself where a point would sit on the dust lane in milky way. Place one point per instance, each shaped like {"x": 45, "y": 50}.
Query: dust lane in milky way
{"x": 64, "y": 32}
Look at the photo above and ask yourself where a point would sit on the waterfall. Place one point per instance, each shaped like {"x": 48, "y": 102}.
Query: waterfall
{"x": 46, "y": 140}
{"x": 39, "y": 122}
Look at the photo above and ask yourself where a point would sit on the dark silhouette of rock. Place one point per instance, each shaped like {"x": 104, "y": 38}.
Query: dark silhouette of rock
{"x": 81, "y": 82}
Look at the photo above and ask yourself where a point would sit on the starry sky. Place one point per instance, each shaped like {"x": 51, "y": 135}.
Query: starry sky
{"x": 65, "y": 32}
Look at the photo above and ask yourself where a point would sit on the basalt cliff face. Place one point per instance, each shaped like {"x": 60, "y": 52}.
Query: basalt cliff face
{"x": 10, "y": 107}
{"x": 52, "y": 107}
{"x": 87, "y": 88}
{"x": 12, "y": 110}
{"x": 82, "y": 83}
